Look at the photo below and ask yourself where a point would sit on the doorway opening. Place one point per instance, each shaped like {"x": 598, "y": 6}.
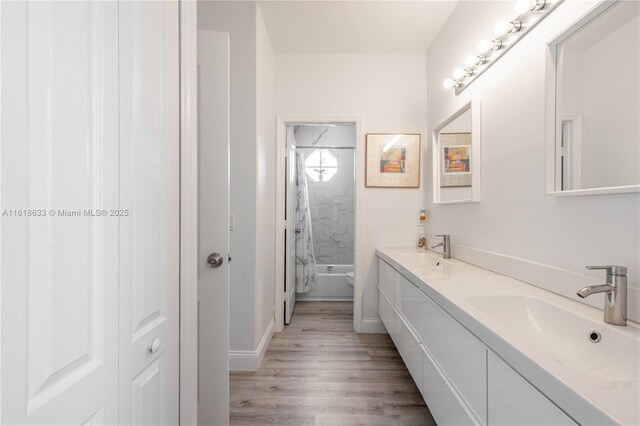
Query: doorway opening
{"x": 319, "y": 207}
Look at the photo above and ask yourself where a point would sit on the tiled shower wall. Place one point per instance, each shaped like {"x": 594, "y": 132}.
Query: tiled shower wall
{"x": 332, "y": 202}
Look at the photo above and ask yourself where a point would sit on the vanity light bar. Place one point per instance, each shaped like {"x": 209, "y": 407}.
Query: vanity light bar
{"x": 506, "y": 34}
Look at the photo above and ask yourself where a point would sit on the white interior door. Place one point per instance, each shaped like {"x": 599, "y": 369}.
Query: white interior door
{"x": 213, "y": 228}
{"x": 290, "y": 244}
{"x": 149, "y": 234}
{"x": 59, "y": 156}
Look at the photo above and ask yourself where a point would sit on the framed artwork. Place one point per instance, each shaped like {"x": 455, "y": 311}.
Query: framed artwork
{"x": 393, "y": 160}
{"x": 455, "y": 160}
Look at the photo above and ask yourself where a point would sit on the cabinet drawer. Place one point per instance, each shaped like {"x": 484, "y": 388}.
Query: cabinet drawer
{"x": 458, "y": 353}
{"x": 411, "y": 352}
{"x": 387, "y": 277}
{"x": 406, "y": 342}
{"x": 513, "y": 401}
{"x": 445, "y": 404}
{"x": 401, "y": 284}
{"x": 388, "y": 315}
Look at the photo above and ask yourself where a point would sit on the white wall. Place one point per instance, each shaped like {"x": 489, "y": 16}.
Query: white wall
{"x": 252, "y": 168}
{"x": 462, "y": 124}
{"x": 388, "y": 91}
{"x": 265, "y": 178}
{"x": 515, "y": 216}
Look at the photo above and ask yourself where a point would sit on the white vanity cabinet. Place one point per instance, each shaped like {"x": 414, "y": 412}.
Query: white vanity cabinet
{"x": 462, "y": 381}
{"x": 513, "y": 401}
{"x": 403, "y": 337}
{"x": 458, "y": 353}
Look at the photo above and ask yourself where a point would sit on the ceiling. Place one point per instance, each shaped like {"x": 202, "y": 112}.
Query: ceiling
{"x": 354, "y": 26}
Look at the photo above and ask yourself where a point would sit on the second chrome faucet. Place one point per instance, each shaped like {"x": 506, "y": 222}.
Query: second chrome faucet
{"x": 445, "y": 244}
{"x": 615, "y": 289}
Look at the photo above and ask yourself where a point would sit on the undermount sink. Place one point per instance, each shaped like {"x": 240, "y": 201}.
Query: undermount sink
{"x": 591, "y": 348}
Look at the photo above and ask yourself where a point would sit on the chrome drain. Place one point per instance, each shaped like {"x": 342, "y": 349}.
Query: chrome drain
{"x": 594, "y": 337}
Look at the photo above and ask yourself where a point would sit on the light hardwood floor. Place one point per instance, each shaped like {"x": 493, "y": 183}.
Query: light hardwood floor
{"x": 318, "y": 371}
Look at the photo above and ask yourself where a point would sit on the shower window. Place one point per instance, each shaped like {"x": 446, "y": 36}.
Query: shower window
{"x": 321, "y": 165}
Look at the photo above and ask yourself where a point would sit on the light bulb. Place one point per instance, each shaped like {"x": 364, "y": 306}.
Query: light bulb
{"x": 501, "y": 28}
{"x": 537, "y": 4}
{"x": 458, "y": 73}
{"x": 470, "y": 60}
{"x": 448, "y": 83}
{"x": 484, "y": 46}
{"x": 523, "y": 6}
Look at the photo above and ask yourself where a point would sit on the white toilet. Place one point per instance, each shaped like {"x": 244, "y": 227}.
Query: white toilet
{"x": 350, "y": 278}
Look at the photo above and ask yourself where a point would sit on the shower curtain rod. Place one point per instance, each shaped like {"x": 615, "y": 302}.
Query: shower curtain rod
{"x": 325, "y": 147}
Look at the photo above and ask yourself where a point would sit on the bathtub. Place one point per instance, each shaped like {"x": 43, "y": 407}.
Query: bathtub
{"x": 331, "y": 284}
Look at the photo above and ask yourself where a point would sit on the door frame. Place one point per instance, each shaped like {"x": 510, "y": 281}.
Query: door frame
{"x": 281, "y": 150}
{"x": 188, "y": 360}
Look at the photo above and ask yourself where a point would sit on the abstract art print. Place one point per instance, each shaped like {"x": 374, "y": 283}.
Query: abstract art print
{"x": 455, "y": 159}
{"x": 393, "y": 160}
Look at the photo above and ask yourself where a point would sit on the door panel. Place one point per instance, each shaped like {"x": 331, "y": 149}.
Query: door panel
{"x": 96, "y": 418}
{"x": 149, "y": 234}
{"x": 213, "y": 227}
{"x": 513, "y": 401}
{"x": 59, "y": 157}
{"x": 290, "y": 244}
{"x": 145, "y": 393}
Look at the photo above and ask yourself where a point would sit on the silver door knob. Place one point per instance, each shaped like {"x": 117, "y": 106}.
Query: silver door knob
{"x": 153, "y": 345}
{"x": 214, "y": 260}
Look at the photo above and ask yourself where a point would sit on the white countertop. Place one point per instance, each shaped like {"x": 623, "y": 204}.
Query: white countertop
{"x": 542, "y": 335}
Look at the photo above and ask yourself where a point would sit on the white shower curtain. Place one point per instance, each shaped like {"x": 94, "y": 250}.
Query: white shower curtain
{"x": 305, "y": 258}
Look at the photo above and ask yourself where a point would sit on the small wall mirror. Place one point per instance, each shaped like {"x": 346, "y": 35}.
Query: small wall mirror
{"x": 456, "y": 157}
{"x": 595, "y": 144}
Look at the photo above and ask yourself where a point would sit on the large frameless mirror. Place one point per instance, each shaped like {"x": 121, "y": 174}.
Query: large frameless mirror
{"x": 596, "y": 103}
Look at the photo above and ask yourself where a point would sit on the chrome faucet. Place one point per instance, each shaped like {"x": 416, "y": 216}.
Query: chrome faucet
{"x": 445, "y": 244}
{"x": 615, "y": 289}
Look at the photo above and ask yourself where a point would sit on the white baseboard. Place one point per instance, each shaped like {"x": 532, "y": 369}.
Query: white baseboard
{"x": 264, "y": 342}
{"x": 243, "y": 361}
{"x": 251, "y": 360}
{"x": 372, "y": 325}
